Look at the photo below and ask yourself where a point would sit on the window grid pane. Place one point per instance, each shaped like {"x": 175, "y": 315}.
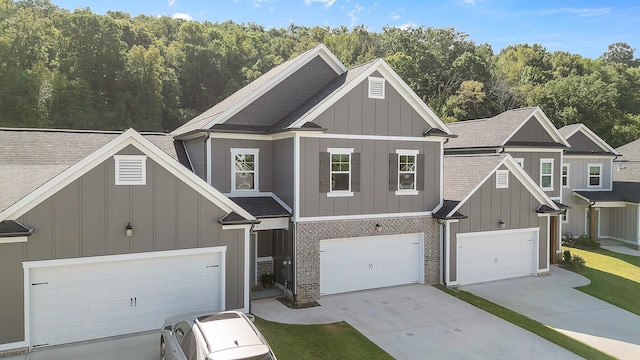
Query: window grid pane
{"x": 340, "y": 172}
{"x": 406, "y": 172}
{"x": 244, "y": 172}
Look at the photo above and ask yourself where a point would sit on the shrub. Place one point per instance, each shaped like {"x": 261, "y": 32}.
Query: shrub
{"x": 566, "y": 256}
{"x": 577, "y": 263}
{"x": 582, "y": 241}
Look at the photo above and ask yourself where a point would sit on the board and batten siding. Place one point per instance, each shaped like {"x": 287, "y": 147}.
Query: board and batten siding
{"x": 623, "y": 222}
{"x": 197, "y": 151}
{"x": 374, "y": 196}
{"x": 283, "y": 170}
{"x": 532, "y": 167}
{"x": 515, "y": 206}
{"x": 221, "y": 162}
{"x": 88, "y": 218}
{"x": 579, "y": 171}
{"x": 357, "y": 114}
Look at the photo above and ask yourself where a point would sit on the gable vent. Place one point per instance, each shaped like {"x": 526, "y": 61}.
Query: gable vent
{"x": 376, "y": 88}
{"x": 502, "y": 179}
{"x": 130, "y": 169}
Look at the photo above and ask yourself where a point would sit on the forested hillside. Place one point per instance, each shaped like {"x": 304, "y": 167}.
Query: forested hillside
{"x": 81, "y": 70}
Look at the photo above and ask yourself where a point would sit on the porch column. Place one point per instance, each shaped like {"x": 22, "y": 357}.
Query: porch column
{"x": 592, "y": 223}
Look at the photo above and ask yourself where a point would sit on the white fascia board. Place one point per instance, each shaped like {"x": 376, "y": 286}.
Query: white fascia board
{"x": 364, "y": 216}
{"x": 129, "y": 137}
{"x": 371, "y": 137}
{"x": 394, "y": 80}
{"x": 593, "y": 137}
{"x": 320, "y": 50}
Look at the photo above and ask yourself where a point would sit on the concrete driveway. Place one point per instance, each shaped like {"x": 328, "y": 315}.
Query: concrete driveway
{"x": 553, "y": 301}
{"x": 419, "y": 322}
{"x": 143, "y": 346}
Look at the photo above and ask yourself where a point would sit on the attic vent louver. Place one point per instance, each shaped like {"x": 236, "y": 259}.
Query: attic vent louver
{"x": 376, "y": 88}
{"x": 131, "y": 169}
{"x": 502, "y": 179}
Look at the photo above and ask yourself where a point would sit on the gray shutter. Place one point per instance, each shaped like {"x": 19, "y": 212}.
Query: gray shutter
{"x": 355, "y": 172}
{"x": 325, "y": 173}
{"x": 393, "y": 172}
{"x": 420, "y": 160}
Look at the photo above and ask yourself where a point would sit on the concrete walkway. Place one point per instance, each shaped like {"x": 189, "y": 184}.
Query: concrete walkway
{"x": 553, "y": 301}
{"x": 622, "y": 249}
{"x": 418, "y": 322}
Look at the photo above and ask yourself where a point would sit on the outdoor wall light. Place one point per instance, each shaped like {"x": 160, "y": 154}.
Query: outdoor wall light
{"x": 128, "y": 230}
{"x": 378, "y": 228}
{"x": 501, "y": 224}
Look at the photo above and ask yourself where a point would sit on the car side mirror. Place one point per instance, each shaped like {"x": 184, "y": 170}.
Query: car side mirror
{"x": 168, "y": 329}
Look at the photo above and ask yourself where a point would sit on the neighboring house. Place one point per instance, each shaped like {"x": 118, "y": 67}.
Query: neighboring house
{"x": 531, "y": 139}
{"x": 496, "y": 220}
{"x": 626, "y": 182}
{"x": 105, "y": 233}
{"x": 343, "y": 167}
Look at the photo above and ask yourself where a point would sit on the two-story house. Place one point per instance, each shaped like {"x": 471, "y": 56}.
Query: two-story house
{"x": 343, "y": 167}
{"x": 532, "y": 140}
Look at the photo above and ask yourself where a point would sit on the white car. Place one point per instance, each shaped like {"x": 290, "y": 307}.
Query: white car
{"x": 221, "y": 336}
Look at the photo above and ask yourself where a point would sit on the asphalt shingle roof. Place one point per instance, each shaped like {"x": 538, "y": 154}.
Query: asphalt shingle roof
{"x": 491, "y": 132}
{"x": 622, "y": 191}
{"x": 627, "y": 167}
{"x": 31, "y": 157}
{"x": 463, "y": 173}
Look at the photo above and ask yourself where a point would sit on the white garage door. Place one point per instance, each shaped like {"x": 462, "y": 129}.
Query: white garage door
{"x": 113, "y": 295}
{"x": 372, "y": 262}
{"x": 495, "y": 255}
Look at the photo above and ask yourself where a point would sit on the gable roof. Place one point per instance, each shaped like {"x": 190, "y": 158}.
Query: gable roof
{"x": 630, "y": 151}
{"x": 570, "y": 130}
{"x": 498, "y": 130}
{"x": 465, "y": 174}
{"x": 341, "y": 86}
{"x": 237, "y": 101}
{"x": 52, "y": 159}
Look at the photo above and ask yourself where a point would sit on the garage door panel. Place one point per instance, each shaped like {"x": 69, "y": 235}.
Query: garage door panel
{"x": 495, "y": 255}
{"x": 86, "y": 301}
{"x": 365, "y": 263}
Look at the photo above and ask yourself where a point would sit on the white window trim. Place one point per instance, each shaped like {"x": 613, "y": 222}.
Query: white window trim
{"x": 256, "y": 162}
{"x": 589, "y": 166}
{"x": 141, "y": 158}
{"x": 520, "y": 161}
{"x": 340, "y": 151}
{"x": 502, "y": 173}
{"x": 562, "y": 176}
{"x": 413, "y": 191}
{"x": 380, "y": 80}
{"x": 565, "y": 216}
{"x": 542, "y": 161}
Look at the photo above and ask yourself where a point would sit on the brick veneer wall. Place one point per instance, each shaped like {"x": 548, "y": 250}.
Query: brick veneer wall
{"x": 309, "y": 234}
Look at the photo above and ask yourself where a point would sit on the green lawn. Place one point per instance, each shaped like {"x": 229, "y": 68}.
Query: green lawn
{"x": 615, "y": 278}
{"x": 329, "y": 341}
{"x": 528, "y": 324}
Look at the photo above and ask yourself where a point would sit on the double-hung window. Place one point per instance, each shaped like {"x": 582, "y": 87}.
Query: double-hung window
{"x": 244, "y": 169}
{"x": 565, "y": 175}
{"x": 339, "y": 172}
{"x": 595, "y": 175}
{"x": 546, "y": 174}
{"x": 407, "y": 172}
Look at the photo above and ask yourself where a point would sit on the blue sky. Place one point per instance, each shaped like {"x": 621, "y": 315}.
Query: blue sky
{"x": 582, "y": 27}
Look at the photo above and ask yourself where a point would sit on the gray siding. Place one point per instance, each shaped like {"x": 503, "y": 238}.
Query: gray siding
{"x": 515, "y": 206}
{"x": 623, "y": 223}
{"x": 283, "y": 175}
{"x": 88, "y": 217}
{"x": 532, "y": 167}
{"x": 580, "y": 142}
{"x": 356, "y": 114}
{"x": 374, "y": 196}
{"x": 579, "y": 170}
{"x": 221, "y": 162}
{"x": 286, "y": 96}
{"x": 196, "y": 150}
{"x": 532, "y": 131}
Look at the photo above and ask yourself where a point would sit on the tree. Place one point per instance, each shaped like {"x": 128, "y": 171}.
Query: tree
{"x": 620, "y": 53}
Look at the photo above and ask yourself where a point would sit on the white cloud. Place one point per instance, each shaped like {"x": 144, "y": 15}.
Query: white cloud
{"x": 327, "y": 3}
{"x": 581, "y": 12}
{"x": 353, "y": 14}
{"x": 182, "y": 16}
{"x": 171, "y": 3}
{"x": 395, "y": 16}
{"x": 408, "y": 25}
{"x": 258, "y": 3}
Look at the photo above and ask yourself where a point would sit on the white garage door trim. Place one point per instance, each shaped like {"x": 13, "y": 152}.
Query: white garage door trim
{"x": 338, "y": 258}
{"x": 533, "y": 258}
{"x": 31, "y": 265}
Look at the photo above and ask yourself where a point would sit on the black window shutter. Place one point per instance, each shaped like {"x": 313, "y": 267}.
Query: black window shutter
{"x": 420, "y": 162}
{"x": 355, "y": 172}
{"x": 393, "y": 172}
{"x": 325, "y": 174}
